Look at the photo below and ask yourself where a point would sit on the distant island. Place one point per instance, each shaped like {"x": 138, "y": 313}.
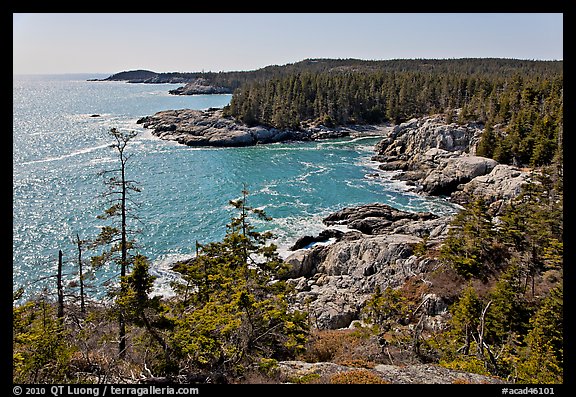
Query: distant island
{"x": 194, "y": 82}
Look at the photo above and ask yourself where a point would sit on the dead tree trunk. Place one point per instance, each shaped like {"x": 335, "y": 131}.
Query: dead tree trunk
{"x": 481, "y": 331}
{"x": 80, "y": 274}
{"x": 60, "y": 288}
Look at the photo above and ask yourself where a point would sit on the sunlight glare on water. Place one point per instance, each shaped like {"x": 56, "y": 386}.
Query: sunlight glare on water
{"x": 61, "y": 144}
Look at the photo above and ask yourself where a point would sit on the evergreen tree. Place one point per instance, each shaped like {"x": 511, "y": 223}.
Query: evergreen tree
{"x": 507, "y": 312}
{"x": 487, "y": 143}
{"x": 145, "y": 311}
{"x": 459, "y": 344}
{"x": 466, "y": 318}
{"x": 384, "y": 308}
{"x": 470, "y": 247}
{"x": 118, "y": 235}
{"x": 532, "y": 226}
{"x": 41, "y": 352}
{"x": 543, "y": 357}
{"x": 235, "y": 308}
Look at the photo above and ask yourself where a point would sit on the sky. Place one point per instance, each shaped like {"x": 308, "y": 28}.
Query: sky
{"x": 107, "y": 43}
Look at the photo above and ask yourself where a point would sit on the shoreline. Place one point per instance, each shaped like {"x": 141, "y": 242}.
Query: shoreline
{"x": 313, "y": 226}
{"x": 209, "y": 127}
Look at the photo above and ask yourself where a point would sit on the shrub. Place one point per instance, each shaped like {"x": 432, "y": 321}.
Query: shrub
{"x": 357, "y": 376}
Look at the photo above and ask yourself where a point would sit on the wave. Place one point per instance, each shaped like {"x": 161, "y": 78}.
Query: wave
{"x": 317, "y": 170}
{"x": 353, "y": 140}
{"x": 65, "y": 156}
{"x": 162, "y": 269}
{"x": 267, "y": 189}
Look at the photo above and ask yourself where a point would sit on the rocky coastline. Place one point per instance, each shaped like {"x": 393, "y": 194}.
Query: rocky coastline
{"x": 373, "y": 245}
{"x": 210, "y": 128}
{"x": 379, "y": 246}
{"x": 193, "y": 84}
{"x": 438, "y": 158}
{"x": 200, "y": 86}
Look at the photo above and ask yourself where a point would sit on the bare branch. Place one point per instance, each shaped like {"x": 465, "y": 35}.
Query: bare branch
{"x": 481, "y": 331}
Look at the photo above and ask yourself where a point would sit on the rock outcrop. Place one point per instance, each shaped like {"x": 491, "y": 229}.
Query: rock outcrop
{"x": 394, "y": 374}
{"x": 419, "y": 135}
{"x": 333, "y": 281}
{"x": 210, "y": 128}
{"x": 503, "y": 183}
{"x": 440, "y": 159}
{"x": 200, "y": 86}
{"x": 454, "y": 171}
{"x": 379, "y": 249}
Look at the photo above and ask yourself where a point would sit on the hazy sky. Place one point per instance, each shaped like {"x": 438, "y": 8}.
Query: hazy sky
{"x": 110, "y": 43}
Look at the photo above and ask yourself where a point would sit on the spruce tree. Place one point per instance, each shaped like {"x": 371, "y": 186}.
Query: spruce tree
{"x": 487, "y": 142}
{"x": 117, "y": 237}
{"x": 470, "y": 247}
{"x": 543, "y": 357}
{"x": 234, "y": 309}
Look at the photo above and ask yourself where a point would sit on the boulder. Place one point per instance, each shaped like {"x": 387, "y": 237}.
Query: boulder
{"x": 419, "y": 135}
{"x": 445, "y": 178}
{"x": 504, "y": 182}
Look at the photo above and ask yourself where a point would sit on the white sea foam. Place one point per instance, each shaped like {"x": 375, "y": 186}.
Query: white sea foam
{"x": 318, "y": 169}
{"x": 161, "y": 267}
{"x": 102, "y": 160}
{"x": 64, "y": 156}
{"x": 349, "y": 141}
{"x": 291, "y": 228}
{"x": 146, "y": 135}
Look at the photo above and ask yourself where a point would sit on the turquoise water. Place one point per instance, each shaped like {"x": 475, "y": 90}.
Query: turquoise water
{"x": 59, "y": 151}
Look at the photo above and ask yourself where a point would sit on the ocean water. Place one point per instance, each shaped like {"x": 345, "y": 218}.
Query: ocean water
{"x": 60, "y": 150}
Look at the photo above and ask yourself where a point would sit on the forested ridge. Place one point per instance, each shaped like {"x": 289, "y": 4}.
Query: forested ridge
{"x": 520, "y": 102}
{"x": 500, "y": 272}
{"x": 234, "y": 79}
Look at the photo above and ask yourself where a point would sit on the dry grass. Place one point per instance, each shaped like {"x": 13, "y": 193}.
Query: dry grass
{"x": 357, "y": 363}
{"x": 356, "y": 346}
{"x": 357, "y": 376}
